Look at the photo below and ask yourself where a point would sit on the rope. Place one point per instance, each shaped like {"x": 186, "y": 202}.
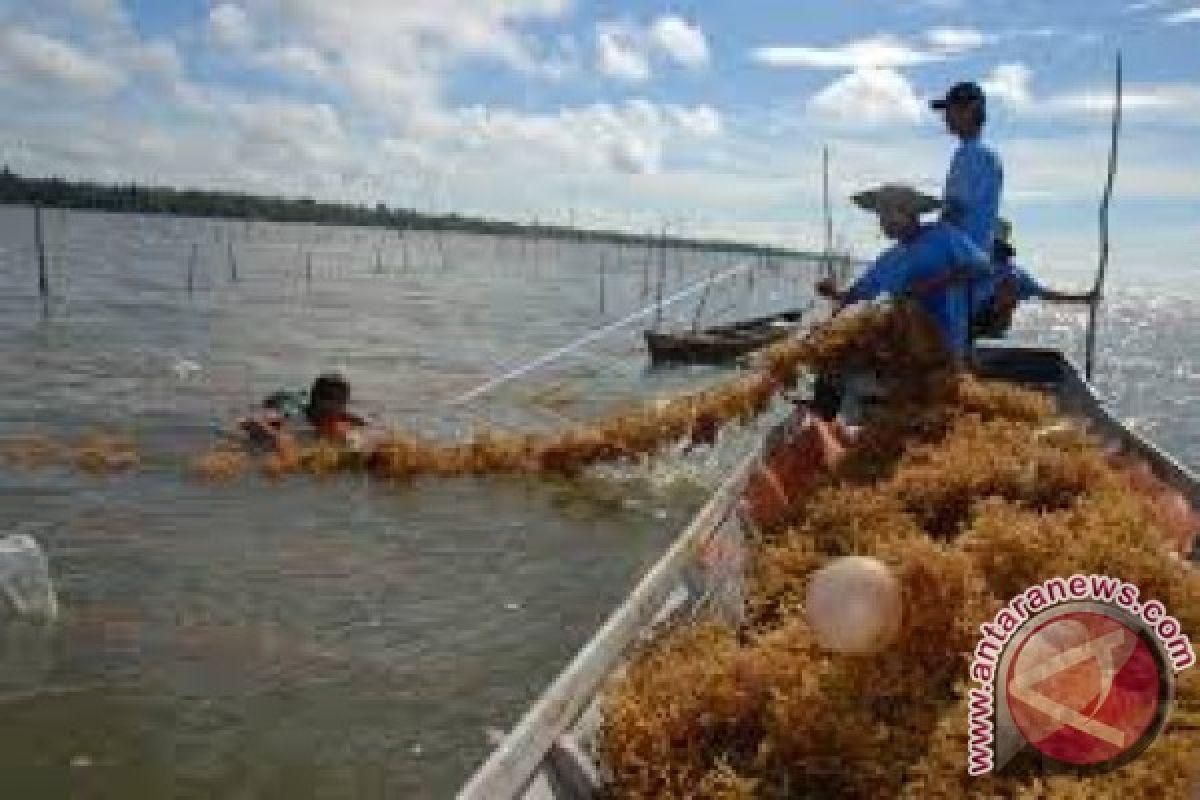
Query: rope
{"x": 590, "y": 337}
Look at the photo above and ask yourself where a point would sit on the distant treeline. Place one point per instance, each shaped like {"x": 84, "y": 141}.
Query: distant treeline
{"x": 58, "y": 193}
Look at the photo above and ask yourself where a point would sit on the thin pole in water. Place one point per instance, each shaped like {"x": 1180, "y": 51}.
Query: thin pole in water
{"x": 308, "y": 270}
{"x": 39, "y": 241}
{"x": 191, "y": 273}
{"x": 662, "y": 277}
{"x": 1102, "y": 269}
{"x": 233, "y": 265}
{"x": 646, "y": 266}
{"x": 603, "y": 267}
{"x": 828, "y": 214}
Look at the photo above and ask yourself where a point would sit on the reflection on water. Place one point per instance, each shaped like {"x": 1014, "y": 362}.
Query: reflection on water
{"x": 337, "y": 638}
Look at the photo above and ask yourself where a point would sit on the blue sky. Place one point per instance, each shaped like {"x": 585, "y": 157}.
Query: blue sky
{"x": 709, "y": 116}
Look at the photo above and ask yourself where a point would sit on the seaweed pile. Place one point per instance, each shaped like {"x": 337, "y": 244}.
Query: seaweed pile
{"x": 95, "y": 453}
{"x": 971, "y": 492}
{"x": 897, "y": 336}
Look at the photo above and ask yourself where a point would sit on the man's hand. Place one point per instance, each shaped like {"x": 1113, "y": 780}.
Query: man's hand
{"x": 827, "y": 288}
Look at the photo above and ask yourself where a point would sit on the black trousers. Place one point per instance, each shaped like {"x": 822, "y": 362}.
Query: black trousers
{"x": 827, "y": 396}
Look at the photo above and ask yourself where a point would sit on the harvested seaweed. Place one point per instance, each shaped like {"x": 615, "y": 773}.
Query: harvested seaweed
{"x": 971, "y": 491}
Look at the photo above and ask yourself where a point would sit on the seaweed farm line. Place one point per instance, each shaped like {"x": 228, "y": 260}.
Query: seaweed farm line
{"x": 340, "y": 638}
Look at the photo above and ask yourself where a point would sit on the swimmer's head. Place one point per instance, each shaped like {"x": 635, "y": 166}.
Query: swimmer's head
{"x": 329, "y": 395}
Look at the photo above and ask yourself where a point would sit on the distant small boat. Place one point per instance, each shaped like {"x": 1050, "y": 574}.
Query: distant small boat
{"x": 721, "y": 344}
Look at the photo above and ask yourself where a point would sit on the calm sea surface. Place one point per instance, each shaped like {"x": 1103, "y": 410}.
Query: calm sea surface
{"x": 343, "y": 638}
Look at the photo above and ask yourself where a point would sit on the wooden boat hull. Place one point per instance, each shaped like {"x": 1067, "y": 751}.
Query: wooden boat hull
{"x": 549, "y": 755}
{"x": 720, "y": 344}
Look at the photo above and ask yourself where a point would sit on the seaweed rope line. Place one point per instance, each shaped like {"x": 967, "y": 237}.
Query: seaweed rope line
{"x": 592, "y": 336}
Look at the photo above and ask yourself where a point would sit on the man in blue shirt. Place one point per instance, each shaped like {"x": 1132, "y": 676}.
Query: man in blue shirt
{"x": 971, "y": 199}
{"x": 997, "y": 297}
{"x": 934, "y": 262}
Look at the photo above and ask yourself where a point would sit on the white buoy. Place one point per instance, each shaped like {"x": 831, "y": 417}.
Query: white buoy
{"x": 854, "y": 605}
{"x": 25, "y": 586}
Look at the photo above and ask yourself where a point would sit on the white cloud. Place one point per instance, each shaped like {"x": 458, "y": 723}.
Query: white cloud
{"x": 1177, "y": 103}
{"x": 109, "y": 12}
{"x": 282, "y": 133}
{"x": 230, "y": 26}
{"x": 955, "y": 40}
{"x": 1184, "y": 16}
{"x": 883, "y": 51}
{"x": 1010, "y": 84}
{"x": 159, "y": 59}
{"x": 701, "y": 121}
{"x": 867, "y": 97}
{"x": 633, "y": 138}
{"x": 33, "y": 58}
{"x": 619, "y": 55}
{"x": 681, "y": 42}
{"x": 294, "y": 59}
{"x": 1144, "y": 5}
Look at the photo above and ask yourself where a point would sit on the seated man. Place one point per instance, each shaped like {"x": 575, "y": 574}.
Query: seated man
{"x": 935, "y": 263}
{"x": 996, "y": 298}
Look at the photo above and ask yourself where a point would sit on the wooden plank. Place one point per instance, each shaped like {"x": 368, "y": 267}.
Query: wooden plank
{"x": 511, "y": 765}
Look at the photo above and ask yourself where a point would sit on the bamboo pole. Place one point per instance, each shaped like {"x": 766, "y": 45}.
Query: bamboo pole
{"x": 233, "y": 265}
{"x": 603, "y": 270}
{"x": 39, "y": 241}
{"x": 1102, "y": 269}
{"x": 191, "y": 271}
{"x": 703, "y": 299}
{"x": 646, "y": 266}
{"x": 827, "y": 214}
{"x": 662, "y": 277}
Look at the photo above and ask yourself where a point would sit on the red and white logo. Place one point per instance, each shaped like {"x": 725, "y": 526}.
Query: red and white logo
{"x": 1084, "y": 688}
{"x": 1079, "y": 670}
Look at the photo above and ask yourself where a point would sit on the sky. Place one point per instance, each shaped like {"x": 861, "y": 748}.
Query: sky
{"x": 708, "y": 116}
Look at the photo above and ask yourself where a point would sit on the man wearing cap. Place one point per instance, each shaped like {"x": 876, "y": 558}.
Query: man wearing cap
{"x": 971, "y": 199}
{"x": 996, "y": 298}
{"x": 933, "y": 262}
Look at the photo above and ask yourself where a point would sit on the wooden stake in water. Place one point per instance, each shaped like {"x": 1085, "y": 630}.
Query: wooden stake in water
{"x": 646, "y": 267}
{"x": 603, "y": 264}
{"x": 308, "y": 270}
{"x": 191, "y": 273}
{"x": 378, "y": 261}
{"x": 662, "y": 278}
{"x": 827, "y": 214}
{"x": 703, "y": 299}
{"x": 233, "y": 265}
{"x": 39, "y": 241}
{"x": 1102, "y": 269}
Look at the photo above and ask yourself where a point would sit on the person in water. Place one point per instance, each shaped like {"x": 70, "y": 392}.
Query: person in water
{"x": 326, "y": 409}
{"x": 996, "y": 298}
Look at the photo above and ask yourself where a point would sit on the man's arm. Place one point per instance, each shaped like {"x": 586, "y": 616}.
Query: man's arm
{"x": 1028, "y": 286}
{"x": 875, "y": 281}
{"x": 1052, "y": 296}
